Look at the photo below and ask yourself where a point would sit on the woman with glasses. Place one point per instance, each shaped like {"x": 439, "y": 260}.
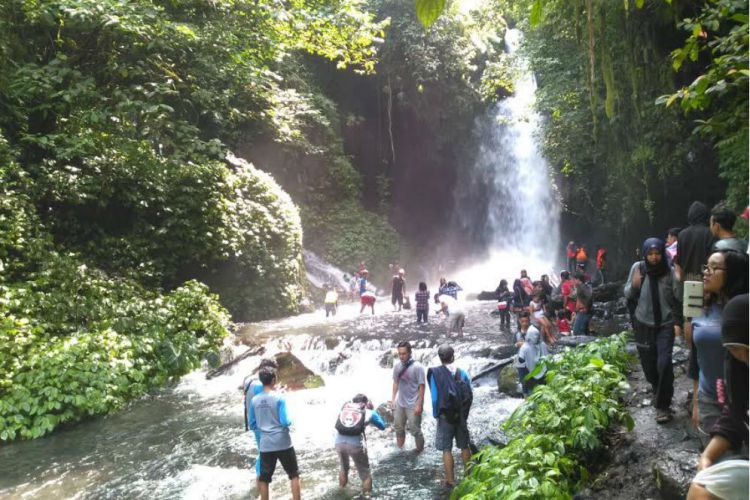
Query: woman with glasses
{"x": 724, "y": 277}
{"x": 657, "y": 317}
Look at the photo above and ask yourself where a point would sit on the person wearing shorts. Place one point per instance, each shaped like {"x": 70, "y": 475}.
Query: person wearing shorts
{"x": 354, "y": 448}
{"x": 268, "y": 416}
{"x": 449, "y": 428}
{"x": 409, "y": 385}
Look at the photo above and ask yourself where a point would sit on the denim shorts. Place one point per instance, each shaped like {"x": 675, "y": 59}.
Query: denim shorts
{"x": 446, "y": 432}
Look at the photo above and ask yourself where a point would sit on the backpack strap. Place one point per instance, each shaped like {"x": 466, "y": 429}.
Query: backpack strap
{"x": 406, "y": 368}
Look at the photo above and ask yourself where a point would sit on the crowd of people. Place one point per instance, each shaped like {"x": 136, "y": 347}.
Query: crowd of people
{"x": 704, "y": 263}
{"x": 696, "y": 284}
{"x": 450, "y": 393}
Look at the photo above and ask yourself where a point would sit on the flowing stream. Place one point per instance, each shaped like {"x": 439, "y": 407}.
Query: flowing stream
{"x": 188, "y": 441}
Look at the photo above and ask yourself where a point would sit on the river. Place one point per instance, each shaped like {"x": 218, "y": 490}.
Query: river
{"x": 188, "y": 441}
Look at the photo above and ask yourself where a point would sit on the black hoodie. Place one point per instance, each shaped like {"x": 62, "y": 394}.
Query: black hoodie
{"x": 695, "y": 241}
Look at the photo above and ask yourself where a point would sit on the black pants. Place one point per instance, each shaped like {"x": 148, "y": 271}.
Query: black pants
{"x": 655, "y": 350}
{"x": 505, "y": 317}
{"x": 422, "y": 315}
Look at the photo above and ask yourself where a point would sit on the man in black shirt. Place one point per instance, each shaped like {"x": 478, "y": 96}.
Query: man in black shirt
{"x": 693, "y": 244}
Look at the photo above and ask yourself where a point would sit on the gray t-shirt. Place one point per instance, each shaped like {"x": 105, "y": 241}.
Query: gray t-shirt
{"x": 408, "y": 384}
{"x": 736, "y": 244}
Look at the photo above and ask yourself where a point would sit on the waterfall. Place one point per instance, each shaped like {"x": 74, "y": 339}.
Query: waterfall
{"x": 508, "y": 201}
{"x": 320, "y": 272}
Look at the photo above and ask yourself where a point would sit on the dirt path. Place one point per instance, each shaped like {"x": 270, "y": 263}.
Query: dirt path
{"x": 653, "y": 460}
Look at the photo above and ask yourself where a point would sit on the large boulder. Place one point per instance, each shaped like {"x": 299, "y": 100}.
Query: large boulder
{"x": 295, "y": 375}
{"x": 608, "y": 292}
{"x": 507, "y": 381}
{"x": 673, "y": 473}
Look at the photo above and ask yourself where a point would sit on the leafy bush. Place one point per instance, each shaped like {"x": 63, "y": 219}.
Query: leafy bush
{"x": 557, "y": 430}
{"x": 348, "y": 234}
{"x": 76, "y": 342}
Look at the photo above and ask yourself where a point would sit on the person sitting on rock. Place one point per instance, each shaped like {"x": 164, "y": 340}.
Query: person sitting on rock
{"x": 722, "y": 473}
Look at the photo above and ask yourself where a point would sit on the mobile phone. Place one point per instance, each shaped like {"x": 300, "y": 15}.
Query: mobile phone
{"x": 692, "y": 299}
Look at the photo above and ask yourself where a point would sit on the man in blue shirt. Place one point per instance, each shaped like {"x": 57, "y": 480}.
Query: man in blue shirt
{"x": 268, "y": 416}
{"x": 442, "y": 380}
{"x": 354, "y": 446}
{"x": 252, "y": 388}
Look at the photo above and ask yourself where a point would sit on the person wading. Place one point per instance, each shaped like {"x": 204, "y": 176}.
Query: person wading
{"x": 408, "y": 384}
{"x": 451, "y": 394}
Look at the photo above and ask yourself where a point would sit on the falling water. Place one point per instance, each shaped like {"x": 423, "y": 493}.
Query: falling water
{"x": 508, "y": 201}
{"x": 320, "y": 272}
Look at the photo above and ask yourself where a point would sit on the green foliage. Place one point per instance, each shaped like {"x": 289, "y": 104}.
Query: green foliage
{"x": 600, "y": 66}
{"x": 348, "y": 235}
{"x": 557, "y": 431}
{"x": 429, "y": 10}
{"x": 720, "y": 32}
{"x": 122, "y": 114}
{"x": 76, "y": 342}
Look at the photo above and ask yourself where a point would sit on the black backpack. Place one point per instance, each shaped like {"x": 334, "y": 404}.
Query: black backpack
{"x": 352, "y": 419}
{"x": 458, "y": 400}
{"x": 632, "y": 303}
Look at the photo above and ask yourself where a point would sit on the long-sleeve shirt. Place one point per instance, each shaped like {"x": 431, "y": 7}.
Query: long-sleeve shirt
{"x": 268, "y": 415}
{"x": 671, "y": 310}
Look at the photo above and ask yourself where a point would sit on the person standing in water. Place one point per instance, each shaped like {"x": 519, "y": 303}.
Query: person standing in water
{"x": 397, "y": 290}
{"x": 268, "y": 416}
{"x": 408, "y": 385}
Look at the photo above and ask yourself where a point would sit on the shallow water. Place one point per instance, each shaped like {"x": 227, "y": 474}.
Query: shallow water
{"x": 188, "y": 441}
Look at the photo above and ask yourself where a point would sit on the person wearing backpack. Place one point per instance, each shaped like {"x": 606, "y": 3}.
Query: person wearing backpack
{"x": 450, "y": 390}
{"x": 657, "y": 318}
{"x": 354, "y": 416}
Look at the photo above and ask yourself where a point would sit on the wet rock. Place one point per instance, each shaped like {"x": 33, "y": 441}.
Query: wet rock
{"x": 503, "y": 351}
{"x": 306, "y": 306}
{"x": 295, "y": 375}
{"x": 487, "y": 296}
{"x": 608, "y": 292}
{"x": 507, "y": 381}
{"x": 607, "y": 326}
{"x": 673, "y": 473}
{"x": 387, "y": 359}
{"x": 621, "y": 306}
{"x": 575, "y": 340}
{"x": 385, "y": 411}
{"x": 680, "y": 355}
{"x": 335, "y": 362}
{"x": 331, "y": 342}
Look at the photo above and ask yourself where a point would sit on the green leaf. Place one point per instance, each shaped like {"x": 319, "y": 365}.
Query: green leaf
{"x": 429, "y": 10}
{"x": 535, "y": 18}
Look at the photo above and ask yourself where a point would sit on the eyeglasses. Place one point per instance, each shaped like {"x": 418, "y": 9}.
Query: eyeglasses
{"x": 710, "y": 270}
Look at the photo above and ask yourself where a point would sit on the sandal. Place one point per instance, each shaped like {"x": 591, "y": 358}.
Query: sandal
{"x": 663, "y": 416}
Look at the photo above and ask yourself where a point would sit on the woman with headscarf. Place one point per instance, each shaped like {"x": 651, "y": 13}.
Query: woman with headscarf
{"x": 657, "y": 318}
{"x": 723, "y": 469}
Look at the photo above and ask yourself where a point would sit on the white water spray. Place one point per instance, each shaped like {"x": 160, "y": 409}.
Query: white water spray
{"x": 520, "y": 224}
